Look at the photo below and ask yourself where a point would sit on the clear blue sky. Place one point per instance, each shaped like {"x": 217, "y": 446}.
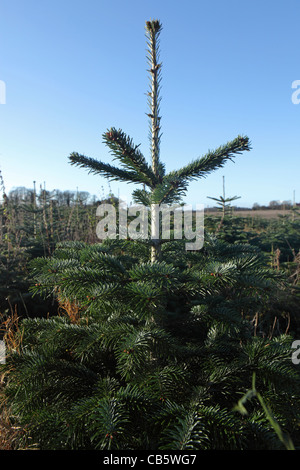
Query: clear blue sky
{"x": 74, "y": 68}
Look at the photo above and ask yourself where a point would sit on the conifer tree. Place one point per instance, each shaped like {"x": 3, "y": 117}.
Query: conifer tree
{"x": 224, "y": 202}
{"x": 162, "y": 187}
{"x": 150, "y": 353}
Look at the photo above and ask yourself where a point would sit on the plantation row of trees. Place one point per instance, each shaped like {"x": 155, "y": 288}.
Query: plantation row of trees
{"x": 29, "y": 230}
{"x": 140, "y": 344}
{"x": 276, "y": 205}
{"x": 21, "y": 195}
{"x": 31, "y": 224}
{"x": 47, "y": 217}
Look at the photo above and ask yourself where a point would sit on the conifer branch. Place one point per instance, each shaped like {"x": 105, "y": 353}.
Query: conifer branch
{"x": 208, "y": 163}
{"x": 104, "y": 169}
{"x": 129, "y": 155}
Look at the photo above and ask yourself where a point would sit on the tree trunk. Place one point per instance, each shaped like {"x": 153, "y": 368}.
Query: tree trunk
{"x": 153, "y": 30}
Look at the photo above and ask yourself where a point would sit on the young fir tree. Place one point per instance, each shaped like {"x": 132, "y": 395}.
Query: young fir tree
{"x": 153, "y": 354}
{"x": 162, "y": 187}
{"x": 224, "y": 202}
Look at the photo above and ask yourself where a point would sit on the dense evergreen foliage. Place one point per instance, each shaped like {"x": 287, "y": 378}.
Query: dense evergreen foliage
{"x": 157, "y": 355}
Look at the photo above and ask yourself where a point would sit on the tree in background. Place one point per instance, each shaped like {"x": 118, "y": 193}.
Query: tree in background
{"x": 224, "y": 204}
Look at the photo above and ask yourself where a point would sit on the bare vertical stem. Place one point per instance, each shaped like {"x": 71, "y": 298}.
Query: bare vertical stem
{"x": 153, "y": 29}
{"x": 34, "y": 210}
